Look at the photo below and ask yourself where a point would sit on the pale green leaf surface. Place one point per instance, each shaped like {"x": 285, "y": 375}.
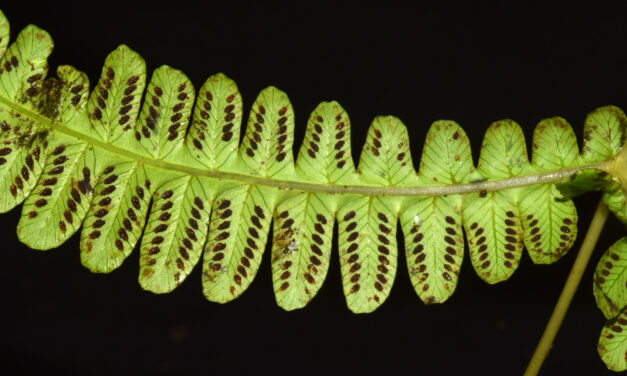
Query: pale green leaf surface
{"x": 368, "y": 252}
{"x": 434, "y": 245}
{"x": 432, "y": 226}
{"x": 446, "y": 157}
{"x": 301, "y": 248}
{"x": 503, "y": 152}
{"x": 24, "y": 66}
{"x": 613, "y": 343}
{"x": 114, "y": 103}
{"x": 554, "y": 145}
{"x": 22, "y": 152}
{"x": 175, "y": 233}
{"x": 610, "y": 279}
{"x": 494, "y": 234}
{"x": 4, "y": 34}
{"x": 69, "y": 105}
{"x": 115, "y": 219}
{"x": 240, "y": 221}
{"x": 549, "y": 223}
{"x": 603, "y": 133}
{"x": 616, "y": 200}
{"x": 267, "y": 144}
{"x": 325, "y": 155}
{"x": 491, "y": 219}
{"x": 62, "y": 196}
{"x": 549, "y": 219}
{"x": 165, "y": 113}
{"x": 386, "y": 159}
{"x": 214, "y": 135}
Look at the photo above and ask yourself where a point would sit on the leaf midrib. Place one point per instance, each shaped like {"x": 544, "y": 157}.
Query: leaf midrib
{"x": 495, "y": 185}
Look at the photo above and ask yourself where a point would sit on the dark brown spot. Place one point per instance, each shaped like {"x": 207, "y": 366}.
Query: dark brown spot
{"x": 68, "y": 216}
{"x": 131, "y": 214}
{"x": 245, "y": 262}
{"x": 309, "y": 278}
{"x": 355, "y": 267}
{"x": 241, "y": 270}
{"x": 110, "y": 179}
{"x": 127, "y": 224}
{"x": 255, "y": 221}
{"x": 351, "y": 226}
{"x": 107, "y": 190}
{"x": 315, "y": 249}
{"x": 135, "y": 202}
{"x": 251, "y": 243}
{"x": 56, "y": 170}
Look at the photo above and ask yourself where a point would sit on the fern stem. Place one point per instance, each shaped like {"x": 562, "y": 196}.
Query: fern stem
{"x": 570, "y": 287}
{"x": 610, "y": 165}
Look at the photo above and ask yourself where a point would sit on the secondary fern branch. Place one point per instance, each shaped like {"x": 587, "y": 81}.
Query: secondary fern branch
{"x": 100, "y": 159}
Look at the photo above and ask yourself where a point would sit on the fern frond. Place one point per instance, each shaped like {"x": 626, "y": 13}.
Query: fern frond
{"x": 170, "y": 167}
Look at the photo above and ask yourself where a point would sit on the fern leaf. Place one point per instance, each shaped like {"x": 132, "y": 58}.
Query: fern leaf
{"x": 214, "y": 135}
{"x": 115, "y": 218}
{"x": 114, "y": 102}
{"x": 267, "y": 143}
{"x": 325, "y": 155}
{"x": 4, "y": 33}
{"x": 165, "y": 113}
{"x": 434, "y": 242}
{"x": 101, "y": 159}
{"x": 238, "y": 231}
{"x": 612, "y": 341}
{"x": 301, "y": 248}
{"x": 175, "y": 232}
{"x": 610, "y": 279}
{"x": 491, "y": 219}
{"x": 62, "y": 197}
{"x": 434, "y": 245}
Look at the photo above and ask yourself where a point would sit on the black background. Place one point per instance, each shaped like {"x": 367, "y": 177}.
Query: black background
{"x": 472, "y": 64}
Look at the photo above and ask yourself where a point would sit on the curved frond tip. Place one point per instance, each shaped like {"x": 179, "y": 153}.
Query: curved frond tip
{"x": 150, "y": 158}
